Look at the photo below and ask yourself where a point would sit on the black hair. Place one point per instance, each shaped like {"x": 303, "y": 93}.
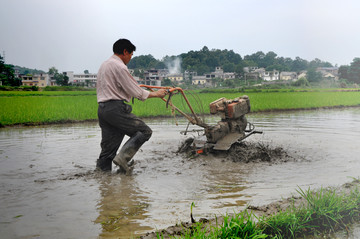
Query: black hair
{"x": 121, "y": 45}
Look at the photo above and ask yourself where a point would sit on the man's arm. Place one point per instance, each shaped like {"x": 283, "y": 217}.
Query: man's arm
{"x": 159, "y": 93}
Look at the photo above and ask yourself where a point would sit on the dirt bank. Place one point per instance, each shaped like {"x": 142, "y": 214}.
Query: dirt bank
{"x": 263, "y": 210}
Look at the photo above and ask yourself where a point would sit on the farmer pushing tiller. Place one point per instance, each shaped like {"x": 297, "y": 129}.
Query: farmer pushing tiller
{"x": 116, "y": 87}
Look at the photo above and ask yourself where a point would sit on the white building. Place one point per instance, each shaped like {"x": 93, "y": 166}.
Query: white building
{"x": 270, "y": 75}
{"x": 88, "y": 80}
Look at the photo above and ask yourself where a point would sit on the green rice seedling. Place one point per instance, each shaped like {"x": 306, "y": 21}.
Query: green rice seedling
{"x": 329, "y": 208}
{"x": 198, "y": 230}
{"x": 16, "y": 110}
{"x": 324, "y": 210}
{"x": 263, "y": 101}
{"x": 159, "y": 235}
{"x": 46, "y": 93}
{"x": 54, "y": 106}
{"x": 241, "y": 225}
{"x": 285, "y": 224}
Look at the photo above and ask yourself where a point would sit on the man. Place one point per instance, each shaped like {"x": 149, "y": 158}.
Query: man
{"x": 115, "y": 86}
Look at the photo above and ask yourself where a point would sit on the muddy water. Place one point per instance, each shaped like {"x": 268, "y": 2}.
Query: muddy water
{"x": 49, "y": 190}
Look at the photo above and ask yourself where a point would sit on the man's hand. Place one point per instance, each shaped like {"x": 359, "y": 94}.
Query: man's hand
{"x": 162, "y": 93}
{"x": 159, "y": 93}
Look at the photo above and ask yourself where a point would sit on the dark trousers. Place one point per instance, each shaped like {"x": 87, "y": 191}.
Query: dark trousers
{"x": 116, "y": 121}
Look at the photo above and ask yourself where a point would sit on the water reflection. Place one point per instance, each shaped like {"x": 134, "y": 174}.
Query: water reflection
{"x": 121, "y": 204}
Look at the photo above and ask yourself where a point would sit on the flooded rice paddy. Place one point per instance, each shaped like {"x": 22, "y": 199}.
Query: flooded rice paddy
{"x": 49, "y": 190}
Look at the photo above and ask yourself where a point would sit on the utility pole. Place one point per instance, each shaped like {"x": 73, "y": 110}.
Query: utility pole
{"x": 3, "y": 56}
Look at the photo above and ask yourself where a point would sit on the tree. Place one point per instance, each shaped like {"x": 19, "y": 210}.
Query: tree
{"x": 166, "y": 82}
{"x": 205, "y": 49}
{"x": 53, "y": 71}
{"x": 344, "y": 72}
{"x": 270, "y": 59}
{"x": 301, "y": 82}
{"x": 313, "y": 75}
{"x": 7, "y": 75}
{"x": 354, "y": 71}
{"x": 319, "y": 63}
{"x": 229, "y": 83}
{"x": 142, "y": 62}
{"x": 86, "y": 71}
{"x": 60, "y": 79}
{"x": 239, "y": 69}
{"x": 299, "y": 64}
{"x": 229, "y": 67}
{"x": 257, "y": 57}
{"x": 139, "y": 73}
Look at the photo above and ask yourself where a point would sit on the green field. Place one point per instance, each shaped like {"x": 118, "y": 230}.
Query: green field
{"x": 57, "y": 106}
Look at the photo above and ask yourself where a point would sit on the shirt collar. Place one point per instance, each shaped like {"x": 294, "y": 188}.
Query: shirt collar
{"x": 117, "y": 58}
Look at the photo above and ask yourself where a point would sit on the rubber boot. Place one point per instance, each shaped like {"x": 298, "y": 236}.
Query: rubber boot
{"x": 103, "y": 165}
{"x": 127, "y": 152}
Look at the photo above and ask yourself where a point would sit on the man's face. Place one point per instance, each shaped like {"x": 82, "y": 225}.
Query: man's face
{"x": 127, "y": 57}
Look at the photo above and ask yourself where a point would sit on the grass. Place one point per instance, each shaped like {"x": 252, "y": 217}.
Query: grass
{"x": 19, "y": 107}
{"x": 324, "y": 210}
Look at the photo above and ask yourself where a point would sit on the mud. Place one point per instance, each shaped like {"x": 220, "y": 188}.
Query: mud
{"x": 50, "y": 190}
{"x": 242, "y": 152}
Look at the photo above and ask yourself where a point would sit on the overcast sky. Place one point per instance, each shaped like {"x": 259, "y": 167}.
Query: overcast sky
{"x": 77, "y": 35}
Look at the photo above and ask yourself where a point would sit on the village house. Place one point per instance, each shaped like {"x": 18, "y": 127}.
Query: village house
{"x": 254, "y": 73}
{"x": 332, "y": 70}
{"x": 151, "y": 77}
{"x": 270, "y": 75}
{"x": 330, "y": 77}
{"x": 188, "y": 75}
{"x": 302, "y": 74}
{"x": 198, "y": 80}
{"x": 329, "y": 73}
{"x": 82, "y": 79}
{"x": 218, "y": 74}
{"x": 41, "y": 80}
{"x": 175, "y": 77}
{"x": 288, "y": 76}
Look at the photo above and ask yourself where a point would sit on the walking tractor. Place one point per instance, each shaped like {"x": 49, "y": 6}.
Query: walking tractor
{"x": 233, "y": 126}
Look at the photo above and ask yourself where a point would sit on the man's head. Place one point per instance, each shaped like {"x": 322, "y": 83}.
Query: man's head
{"x": 124, "y": 49}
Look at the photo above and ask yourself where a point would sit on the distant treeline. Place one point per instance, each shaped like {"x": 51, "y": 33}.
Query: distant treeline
{"x": 205, "y": 61}
{"x": 25, "y": 71}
